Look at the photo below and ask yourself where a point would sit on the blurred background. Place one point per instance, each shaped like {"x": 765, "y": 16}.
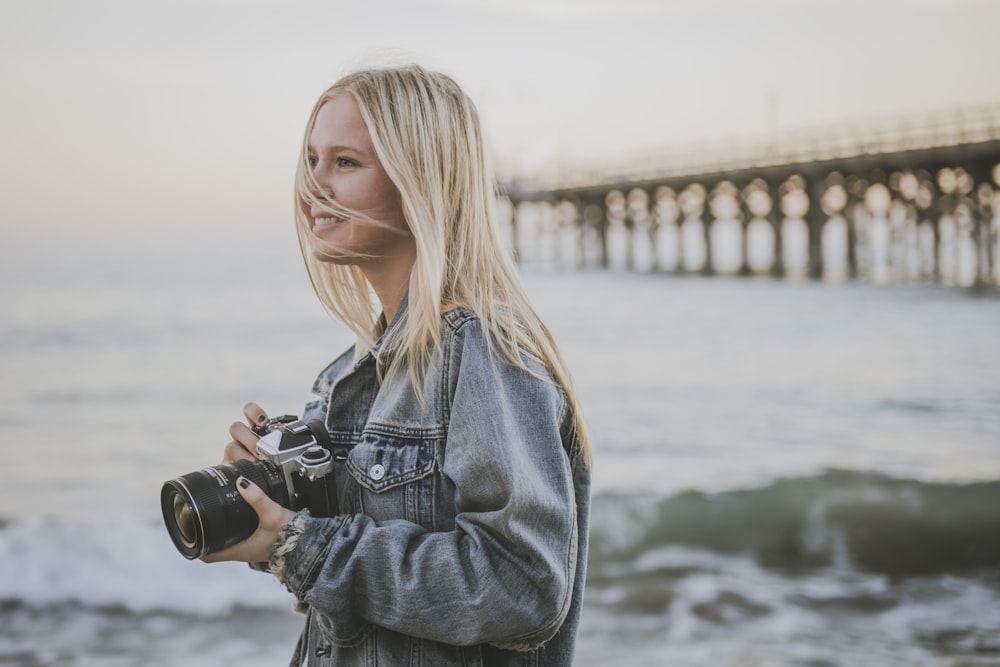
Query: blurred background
{"x": 788, "y": 352}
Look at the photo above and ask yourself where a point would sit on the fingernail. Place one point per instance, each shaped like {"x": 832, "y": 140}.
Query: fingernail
{"x": 244, "y": 482}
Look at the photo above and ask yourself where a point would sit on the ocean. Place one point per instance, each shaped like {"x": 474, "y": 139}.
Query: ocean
{"x": 787, "y": 473}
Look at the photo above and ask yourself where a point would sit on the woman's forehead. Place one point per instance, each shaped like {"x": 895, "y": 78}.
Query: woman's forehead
{"x": 339, "y": 123}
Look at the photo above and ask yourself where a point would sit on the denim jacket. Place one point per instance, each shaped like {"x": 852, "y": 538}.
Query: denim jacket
{"x": 462, "y": 538}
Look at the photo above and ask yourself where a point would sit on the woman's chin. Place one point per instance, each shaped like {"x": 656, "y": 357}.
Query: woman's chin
{"x": 323, "y": 244}
{"x": 327, "y": 252}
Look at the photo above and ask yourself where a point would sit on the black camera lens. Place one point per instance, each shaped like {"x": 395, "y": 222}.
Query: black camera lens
{"x": 204, "y": 512}
{"x": 184, "y": 519}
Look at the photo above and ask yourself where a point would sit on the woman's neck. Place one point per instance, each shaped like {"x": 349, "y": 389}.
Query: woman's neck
{"x": 391, "y": 281}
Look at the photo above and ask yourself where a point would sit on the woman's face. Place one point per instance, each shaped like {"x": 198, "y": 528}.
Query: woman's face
{"x": 346, "y": 169}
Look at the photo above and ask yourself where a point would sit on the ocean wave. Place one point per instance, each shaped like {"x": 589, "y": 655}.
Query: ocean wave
{"x": 852, "y": 520}
{"x": 861, "y": 527}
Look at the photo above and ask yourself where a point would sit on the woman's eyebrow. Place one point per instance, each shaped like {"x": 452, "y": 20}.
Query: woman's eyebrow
{"x": 338, "y": 148}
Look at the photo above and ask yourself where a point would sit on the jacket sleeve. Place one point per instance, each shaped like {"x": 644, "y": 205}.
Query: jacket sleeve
{"x": 504, "y": 574}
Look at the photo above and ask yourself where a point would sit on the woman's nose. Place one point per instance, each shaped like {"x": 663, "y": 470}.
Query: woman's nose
{"x": 314, "y": 182}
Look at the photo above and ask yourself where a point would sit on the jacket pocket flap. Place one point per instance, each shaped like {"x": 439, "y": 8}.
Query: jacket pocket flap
{"x": 379, "y": 462}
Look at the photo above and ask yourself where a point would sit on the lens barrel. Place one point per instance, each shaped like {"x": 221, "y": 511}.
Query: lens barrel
{"x": 205, "y": 513}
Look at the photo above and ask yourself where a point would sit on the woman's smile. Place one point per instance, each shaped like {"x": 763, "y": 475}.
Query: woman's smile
{"x": 319, "y": 223}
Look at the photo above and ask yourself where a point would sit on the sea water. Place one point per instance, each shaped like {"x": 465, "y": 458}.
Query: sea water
{"x": 785, "y": 473}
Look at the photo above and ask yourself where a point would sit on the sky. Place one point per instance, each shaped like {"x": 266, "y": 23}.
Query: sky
{"x": 137, "y": 114}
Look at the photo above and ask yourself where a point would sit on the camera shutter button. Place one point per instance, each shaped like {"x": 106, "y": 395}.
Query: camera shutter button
{"x": 377, "y": 472}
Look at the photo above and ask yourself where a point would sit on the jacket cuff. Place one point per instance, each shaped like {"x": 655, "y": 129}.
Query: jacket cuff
{"x": 288, "y": 540}
{"x": 297, "y": 559}
{"x": 298, "y": 554}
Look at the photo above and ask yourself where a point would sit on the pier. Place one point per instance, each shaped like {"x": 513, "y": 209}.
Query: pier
{"x": 911, "y": 199}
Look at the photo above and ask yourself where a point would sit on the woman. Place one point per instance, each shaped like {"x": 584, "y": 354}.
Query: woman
{"x": 464, "y": 489}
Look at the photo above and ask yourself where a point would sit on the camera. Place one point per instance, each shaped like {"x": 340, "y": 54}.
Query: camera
{"x": 205, "y": 513}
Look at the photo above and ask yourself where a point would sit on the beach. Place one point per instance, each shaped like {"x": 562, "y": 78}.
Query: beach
{"x": 786, "y": 473}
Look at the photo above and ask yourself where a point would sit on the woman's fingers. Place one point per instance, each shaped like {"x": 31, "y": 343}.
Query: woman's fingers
{"x": 271, "y": 515}
{"x": 235, "y": 451}
{"x": 244, "y": 444}
{"x": 256, "y": 416}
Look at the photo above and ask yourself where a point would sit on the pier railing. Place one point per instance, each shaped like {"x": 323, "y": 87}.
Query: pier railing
{"x": 905, "y": 198}
{"x": 873, "y": 136}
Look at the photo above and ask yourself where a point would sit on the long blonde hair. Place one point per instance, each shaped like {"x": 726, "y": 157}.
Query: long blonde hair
{"x": 426, "y": 134}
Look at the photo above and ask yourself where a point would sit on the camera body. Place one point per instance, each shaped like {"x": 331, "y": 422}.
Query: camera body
{"x": 301, "y": 453}
{"x": 204, "y": 512}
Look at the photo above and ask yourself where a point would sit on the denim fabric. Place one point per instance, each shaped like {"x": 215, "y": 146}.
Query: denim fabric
{"x": 463, "y": 533}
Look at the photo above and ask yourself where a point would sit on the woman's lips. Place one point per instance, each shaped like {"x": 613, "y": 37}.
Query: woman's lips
{"x": 326, "y": 222}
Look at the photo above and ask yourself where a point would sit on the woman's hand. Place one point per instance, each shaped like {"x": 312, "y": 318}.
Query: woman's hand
{"x": 271, "y": 515}
{"x": 244, "y": 444}
{"x": 257, "y": 547}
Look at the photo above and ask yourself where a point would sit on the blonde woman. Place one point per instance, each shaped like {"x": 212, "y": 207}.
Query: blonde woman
{"x": 464, "y": 483}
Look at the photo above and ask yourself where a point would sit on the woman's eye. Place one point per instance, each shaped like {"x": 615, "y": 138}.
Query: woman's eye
{"x": 346, "y": 162}
{"x": 312, "y": 161}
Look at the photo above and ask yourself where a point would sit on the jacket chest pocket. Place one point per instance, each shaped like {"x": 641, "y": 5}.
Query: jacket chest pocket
{"x": 394, "y": 476}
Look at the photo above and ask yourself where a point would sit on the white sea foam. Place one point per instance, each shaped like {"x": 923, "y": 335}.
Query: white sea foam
{"x": 122, "y": 564}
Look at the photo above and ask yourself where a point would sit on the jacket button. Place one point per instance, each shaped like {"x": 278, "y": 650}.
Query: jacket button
{"x": 377, "y": 472}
